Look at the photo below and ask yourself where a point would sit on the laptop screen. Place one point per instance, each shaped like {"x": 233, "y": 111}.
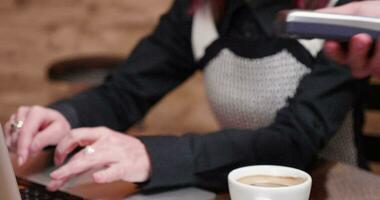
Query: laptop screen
{"x": 9, "y": 188}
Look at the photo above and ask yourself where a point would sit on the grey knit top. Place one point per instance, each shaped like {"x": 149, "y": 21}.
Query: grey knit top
{"x": 247, "y": 93}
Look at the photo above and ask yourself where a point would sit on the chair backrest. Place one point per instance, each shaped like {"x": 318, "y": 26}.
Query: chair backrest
{"x": 371, "y": 130}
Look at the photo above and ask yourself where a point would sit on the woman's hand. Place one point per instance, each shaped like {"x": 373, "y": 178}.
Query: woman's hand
{"x": 362, "y": 8}
{"x": 357, "y": 55}
{"x": 122, "y": 157}
{"x": 38, "y": 127}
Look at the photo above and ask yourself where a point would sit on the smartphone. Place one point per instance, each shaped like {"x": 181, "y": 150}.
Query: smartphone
{"x": 302, "y": 24}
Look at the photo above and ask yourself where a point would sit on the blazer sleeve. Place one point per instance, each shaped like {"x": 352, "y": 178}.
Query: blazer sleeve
{"x": 300, "y": 130}
{"x": 158, "y": 64}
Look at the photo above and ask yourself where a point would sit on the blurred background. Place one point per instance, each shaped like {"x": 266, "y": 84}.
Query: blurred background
{"x": 50, "y": 49}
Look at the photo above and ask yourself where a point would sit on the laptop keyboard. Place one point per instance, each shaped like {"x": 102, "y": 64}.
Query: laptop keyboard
{"x": 34, "y": 191}
{"x": 32, "y": 194}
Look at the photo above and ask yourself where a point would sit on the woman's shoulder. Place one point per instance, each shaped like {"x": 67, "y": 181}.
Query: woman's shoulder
{"x": 180, "y": 10}
{"x": 182, "y": 6}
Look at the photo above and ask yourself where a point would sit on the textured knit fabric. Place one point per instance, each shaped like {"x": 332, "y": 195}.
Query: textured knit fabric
{"x": 247, "y": 93}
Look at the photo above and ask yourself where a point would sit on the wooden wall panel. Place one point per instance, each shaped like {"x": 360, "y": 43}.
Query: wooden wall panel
{"x": 36, "y": 33}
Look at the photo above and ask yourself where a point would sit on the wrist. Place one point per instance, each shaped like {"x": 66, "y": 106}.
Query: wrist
{"x": 68, "y": 112}
{"x": 144, "y": 163}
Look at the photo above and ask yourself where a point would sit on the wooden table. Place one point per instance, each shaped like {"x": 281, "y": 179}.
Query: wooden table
{"x": 331, "y": 181}
{"x": 337, "y": 181}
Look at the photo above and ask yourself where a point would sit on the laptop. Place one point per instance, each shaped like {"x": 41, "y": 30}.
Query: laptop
{"x": 13, "y": 188}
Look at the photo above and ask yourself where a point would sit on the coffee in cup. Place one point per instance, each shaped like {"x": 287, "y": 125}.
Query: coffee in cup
{"x": 269, "y": 182}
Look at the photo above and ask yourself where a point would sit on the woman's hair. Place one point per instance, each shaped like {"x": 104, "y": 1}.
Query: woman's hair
{"x": 300, "y": 4}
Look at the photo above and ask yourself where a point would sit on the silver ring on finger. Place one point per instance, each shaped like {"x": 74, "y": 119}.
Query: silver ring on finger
{"x": 16, "y": 125}
{"x": 88, "y": 150}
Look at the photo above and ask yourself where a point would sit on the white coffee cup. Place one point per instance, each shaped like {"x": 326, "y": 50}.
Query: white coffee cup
{"x": 241, "y": 191}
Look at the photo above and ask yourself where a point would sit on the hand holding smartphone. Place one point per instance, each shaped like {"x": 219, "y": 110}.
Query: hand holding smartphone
{"x": 302, "y": 24}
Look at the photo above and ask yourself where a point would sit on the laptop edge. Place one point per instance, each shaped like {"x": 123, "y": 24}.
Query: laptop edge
{"x": 9, "y": 188}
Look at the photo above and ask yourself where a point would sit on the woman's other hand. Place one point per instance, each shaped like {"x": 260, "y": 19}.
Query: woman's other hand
{"x": 357, "y": 55}
{"x": 119, "y": 157}
{"x": 362, "y": 8}
{"x": 38, "y": 127}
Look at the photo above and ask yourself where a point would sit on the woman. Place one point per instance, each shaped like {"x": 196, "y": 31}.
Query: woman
{"x": 277, "y": 102}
